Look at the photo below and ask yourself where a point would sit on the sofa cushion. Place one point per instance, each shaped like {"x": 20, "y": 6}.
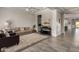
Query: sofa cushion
{"x": 2, "y": 35}
{"x": 22, "y": 30}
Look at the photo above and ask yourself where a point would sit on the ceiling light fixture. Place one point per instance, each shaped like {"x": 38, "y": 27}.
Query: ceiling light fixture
{"x": 27, "y": 9}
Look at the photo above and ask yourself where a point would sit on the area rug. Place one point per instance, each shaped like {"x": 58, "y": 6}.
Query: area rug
{"x": 27, "y": 41}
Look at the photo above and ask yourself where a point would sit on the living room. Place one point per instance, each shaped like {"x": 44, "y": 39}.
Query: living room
{"x": 23, "y": 27}
{"x": 19, "y": 21}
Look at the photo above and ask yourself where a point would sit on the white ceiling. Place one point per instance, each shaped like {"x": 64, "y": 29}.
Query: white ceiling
{"x": 70, "y": 10}
{"x": 66, "y": 10}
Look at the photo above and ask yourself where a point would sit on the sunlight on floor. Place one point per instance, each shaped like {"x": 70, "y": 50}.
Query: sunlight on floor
{"x": 76, "y": 37}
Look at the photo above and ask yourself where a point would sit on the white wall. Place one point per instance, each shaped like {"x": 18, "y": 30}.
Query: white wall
{"x": 56, "y": 26}
{"x": 68, "y": 23}
{"x": 53, "y": 17}
{"x": 54, "y": 23}
{"x": 58, "y": 23}
{"x": 46, "y": 17}
{"x": 18, "y": 16}
{"x": 70, "y": 18}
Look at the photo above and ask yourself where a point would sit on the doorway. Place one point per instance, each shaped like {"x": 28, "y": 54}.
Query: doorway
{"x": 39, "y": 22}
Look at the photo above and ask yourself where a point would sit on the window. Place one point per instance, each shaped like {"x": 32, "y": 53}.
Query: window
{"x": 77, "y": 24}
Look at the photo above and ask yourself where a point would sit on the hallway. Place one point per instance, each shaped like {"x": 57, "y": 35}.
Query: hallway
{"x": 69, "y": 42}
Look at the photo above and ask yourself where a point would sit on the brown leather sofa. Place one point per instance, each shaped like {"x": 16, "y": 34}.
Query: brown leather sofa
{"x": 9, "y": 41}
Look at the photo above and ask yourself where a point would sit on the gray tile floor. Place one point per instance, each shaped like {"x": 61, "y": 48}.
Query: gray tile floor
{"x": 69, "y": 42}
